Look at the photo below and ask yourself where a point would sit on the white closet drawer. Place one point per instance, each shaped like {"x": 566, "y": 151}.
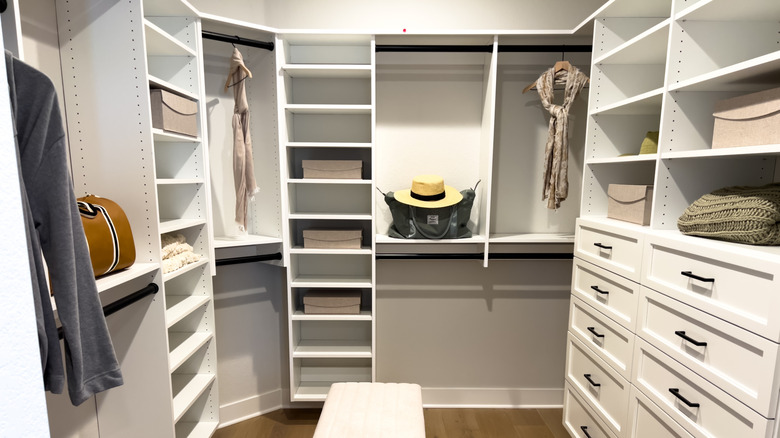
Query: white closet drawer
{"x": 601, "y": 386}
{"x": 717, "y": 415}
{"x": 739, "y": 362}
{"x": 742, "y": 290}
{"x": 649, "y": 421}
{"x": 610, "y": 341}
{"x": 611, "y": 294}
{"x": 611, "y": 245}
{"x": 578, "y": 419}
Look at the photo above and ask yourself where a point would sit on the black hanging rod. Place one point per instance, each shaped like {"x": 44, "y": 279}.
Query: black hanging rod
{"x": 477, "y": 256}
{"x": 544, "y": 48}
{"x": 249, "y": 259}
{"x": 235, "y": 39}
{"x": 434, "y": 48}
{"x": 123, "y": 302}
{"x": 529, "y": 48}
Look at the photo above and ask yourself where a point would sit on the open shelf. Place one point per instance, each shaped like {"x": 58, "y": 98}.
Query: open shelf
{"x": 160, "y": 43}
{"x": 184, "y": 269}
{"x": 192, "y": 387}
{"x": 327, "y": 71}
{"x": 179, "y": 307}
{"x": 188, "y": 345}
{"x": 364, "y": 315}
{"x": 332, "y": 348}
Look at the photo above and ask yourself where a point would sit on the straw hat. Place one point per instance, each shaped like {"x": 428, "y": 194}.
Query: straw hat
{"x": 429, "y": 191}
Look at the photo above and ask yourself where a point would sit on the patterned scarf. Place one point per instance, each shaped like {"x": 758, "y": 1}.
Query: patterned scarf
{"x": 556, "y": 151}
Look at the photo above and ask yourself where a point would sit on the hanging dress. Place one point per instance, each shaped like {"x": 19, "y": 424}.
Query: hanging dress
{"x": 243, "y": 162}
{"x": 556, "y": 151}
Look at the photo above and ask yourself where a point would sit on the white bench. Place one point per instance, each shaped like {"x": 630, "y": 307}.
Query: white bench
{"x": 372, "y": 410}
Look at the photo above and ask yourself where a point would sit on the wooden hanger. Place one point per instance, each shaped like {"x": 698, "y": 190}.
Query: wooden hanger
{"x": 559, "y": 66}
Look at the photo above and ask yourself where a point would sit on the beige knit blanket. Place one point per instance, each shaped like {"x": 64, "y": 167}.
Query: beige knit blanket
{"x": 736, "y": 214}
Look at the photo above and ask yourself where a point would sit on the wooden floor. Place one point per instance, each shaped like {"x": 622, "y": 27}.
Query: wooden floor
{"x": 439, "y": 423}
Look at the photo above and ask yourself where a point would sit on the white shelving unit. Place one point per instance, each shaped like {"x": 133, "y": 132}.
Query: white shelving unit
{"x": 326, "y": 112}
{"x": 161, "y": 181}
{"x": 662, "y": 67}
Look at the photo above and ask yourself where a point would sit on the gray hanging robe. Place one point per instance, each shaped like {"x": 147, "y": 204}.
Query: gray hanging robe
{"x": 556, "y": 151}
{"x": 243, "y": 164}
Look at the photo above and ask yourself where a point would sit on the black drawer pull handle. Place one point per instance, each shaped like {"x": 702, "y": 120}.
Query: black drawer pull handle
{"x": 596, "y": 288}
{"x": 696, "y": 277}
{"x": 585, "y": 431}
{"x": 602, "y": 246}
{"x": 587, "y": 377}
{"x": 682, "y": 334}
{"x": 676, "y": 392}
{"x": 595, "y": 333}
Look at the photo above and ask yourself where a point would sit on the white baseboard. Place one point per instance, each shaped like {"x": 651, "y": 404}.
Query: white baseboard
{"x": 492, "y": 398}
{"x": 247, "y": 408}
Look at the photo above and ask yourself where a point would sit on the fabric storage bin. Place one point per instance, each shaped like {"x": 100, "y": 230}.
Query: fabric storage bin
{"x": 749, "y": 120}
{"x": 332, "y": 169}
{"x": 332, "y": 302}
{"x": 332, "y": 239}
{"x": 174, "y": 113}
{"x": 630, "y": 203}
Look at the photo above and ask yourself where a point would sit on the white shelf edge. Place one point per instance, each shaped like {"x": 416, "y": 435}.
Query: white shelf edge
{"x": 328, "y": 109}
{"x": 364, "y": 315}
{"x": 331, "y": 216}
{"x": 159, "y": 35}
{"x": 330, "y": 181}
{"x": 701, "y": 80}
{"x": 333, "y": 282}
{"x": 328, "y": 70}
{"x": 184, "y": 400}
{"x": 324, "y": 144}
{"x": 532, "y": 238}
{"x": 131, "y": 273}
{"x": 311, "y": 349}
{"x": 184, "y": 269}
{"x": 178, "y": 181}
{"x": 627, "y": 45}
{"x": 384, "y": 238}
{"x": 163, "y": 136}
{"x": 184, "y": 308}
{"x": 633, "y": 100}
{"x": 171, "y": 225}
{"x": 194, "y": 342}
{"x": 245, "y": 240}
{"x": 160, "y": 83}
{"x": 770, "y": 149}
{"x": 301, "y": 250}
{"x": 624, "y": 159}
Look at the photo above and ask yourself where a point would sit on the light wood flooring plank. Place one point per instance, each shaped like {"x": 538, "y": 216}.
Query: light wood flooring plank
{"x": 439, "y": 423}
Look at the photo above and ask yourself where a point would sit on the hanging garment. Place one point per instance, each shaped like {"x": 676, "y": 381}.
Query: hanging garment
{"x": 54, "y": 232}
{"x": 556, "y": 151}
{"x": 243, "y": 164}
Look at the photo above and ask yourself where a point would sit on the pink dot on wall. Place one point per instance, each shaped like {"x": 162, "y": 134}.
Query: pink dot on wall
{"x": 404, "y": 30}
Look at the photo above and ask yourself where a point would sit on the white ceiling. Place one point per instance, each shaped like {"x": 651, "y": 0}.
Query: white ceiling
{"x": 416, "y": 16}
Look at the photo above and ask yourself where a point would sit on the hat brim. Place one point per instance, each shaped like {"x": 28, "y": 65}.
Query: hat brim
{"x": 451, "y": 197}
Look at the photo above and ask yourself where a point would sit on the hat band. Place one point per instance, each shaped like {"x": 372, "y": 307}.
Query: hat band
{"x": 436, "y": 197}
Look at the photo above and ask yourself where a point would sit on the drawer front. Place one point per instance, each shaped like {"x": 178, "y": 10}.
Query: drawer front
{"x": 609, "y": 340}
{"x": 717, "y": 415}
{"x": 743, "y": 291}
{"x": 618, "y": 249}
{"x": 739, "y": 362}
{"x": 578, "y": 420}
{"x": 611, "y": 294}
{"x": 649, "y": 421}
{"x": 601, "y": 386}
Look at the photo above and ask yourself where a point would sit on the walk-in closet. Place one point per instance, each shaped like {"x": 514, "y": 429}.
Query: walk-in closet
{"x": 305, "y": 118}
